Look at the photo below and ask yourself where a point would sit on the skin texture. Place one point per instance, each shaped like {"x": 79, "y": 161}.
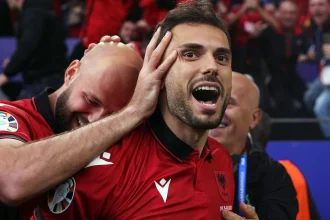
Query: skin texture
{"x": 241, "y": 115}
{"x": 209, "y": 62}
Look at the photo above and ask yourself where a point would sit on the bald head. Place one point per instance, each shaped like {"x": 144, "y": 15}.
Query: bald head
{"x": 116, "y": 53}
{"x": 245, "y": 88}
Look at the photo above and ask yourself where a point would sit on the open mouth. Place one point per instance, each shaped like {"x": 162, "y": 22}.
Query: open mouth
{"x": 206, "y": 95}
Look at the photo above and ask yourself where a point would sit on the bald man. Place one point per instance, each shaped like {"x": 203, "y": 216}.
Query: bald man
{"x": 268, "y": 186}
{"x": 38, "y": 155}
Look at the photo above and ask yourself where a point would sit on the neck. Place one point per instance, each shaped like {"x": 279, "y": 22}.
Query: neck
{"x": 53, "y": 98}
{"x": 195, "y": 138}
{"x": 236, "y": 147}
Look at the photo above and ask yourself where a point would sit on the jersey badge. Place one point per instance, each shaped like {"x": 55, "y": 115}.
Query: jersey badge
{"x": 221, "y": 179}
{"x": 8, "y": 122}
{"x": 60, "y": 197}
{"x": 163, "y": 187}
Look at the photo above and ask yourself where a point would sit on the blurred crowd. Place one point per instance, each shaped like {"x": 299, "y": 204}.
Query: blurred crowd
{"x": 269, "y": 39}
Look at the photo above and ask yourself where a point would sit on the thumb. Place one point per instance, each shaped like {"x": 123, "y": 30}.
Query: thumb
{"x": 248, "y": 211}
{"x": 228, "y": 215}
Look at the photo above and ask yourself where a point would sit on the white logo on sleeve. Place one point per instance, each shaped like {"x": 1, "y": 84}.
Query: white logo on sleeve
{"x": 163, "y": 187}
{"x": 101, "y": 160}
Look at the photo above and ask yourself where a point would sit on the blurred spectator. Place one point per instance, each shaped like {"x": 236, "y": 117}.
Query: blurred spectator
{"x": 246, "y": 22}
{"x": 317, "y": 98}
{"x": 268, "y": 186}
{"x": 281, "y": 49}
{"x": 40, "y": 51}
{"x": 128, "y": 32}
{"x": 73, "y": 16}
{"x": 102, "y": 17}
{"x": 6, "y": 28}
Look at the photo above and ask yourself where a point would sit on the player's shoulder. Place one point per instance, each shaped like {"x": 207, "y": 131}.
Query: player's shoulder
{"x": 20, "y": 108}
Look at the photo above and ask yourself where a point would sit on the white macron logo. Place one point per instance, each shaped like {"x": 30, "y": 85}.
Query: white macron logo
{"x": 163, "y": 187}
{"x": 99, "y": 161}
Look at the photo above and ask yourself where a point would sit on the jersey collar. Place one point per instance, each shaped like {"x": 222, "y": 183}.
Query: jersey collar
{"x": 42, "y": 105}
{"x": 168, "y": 139}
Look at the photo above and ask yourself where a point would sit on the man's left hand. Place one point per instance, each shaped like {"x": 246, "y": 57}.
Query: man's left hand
{"x": 247, "y": 210}
{"x": 3, "y": 79}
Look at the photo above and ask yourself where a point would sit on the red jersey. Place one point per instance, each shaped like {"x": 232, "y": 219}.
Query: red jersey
{"x": 27, "y": 120}
{"x": 150, "y": 174}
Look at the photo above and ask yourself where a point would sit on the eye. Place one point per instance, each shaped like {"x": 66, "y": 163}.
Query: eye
{"x": 189, "y": 54}
{"x": 222, "y": 58}
{"x": 91, "y": 102}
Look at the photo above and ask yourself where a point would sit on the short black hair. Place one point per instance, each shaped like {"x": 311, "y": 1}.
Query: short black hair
{"x": 192, "y": 12}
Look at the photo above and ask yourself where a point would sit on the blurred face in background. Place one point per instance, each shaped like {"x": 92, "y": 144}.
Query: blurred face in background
{"x": 288, "y": 14}
{"x": 241, "y": 115}
{"x": 319, "y": 10}
{"x": 128, "y": 32}
{"x": 15, "y": 5}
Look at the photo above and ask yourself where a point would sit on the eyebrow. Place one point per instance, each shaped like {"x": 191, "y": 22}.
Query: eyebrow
{"x": 192, "y": 46}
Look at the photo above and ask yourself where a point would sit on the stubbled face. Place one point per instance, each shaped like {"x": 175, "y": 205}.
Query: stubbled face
{"x": 319, "y": 10}
{"x": 198, "y": 83}
{"x": 101, "y": 87}
{"x": 288, "y": 14}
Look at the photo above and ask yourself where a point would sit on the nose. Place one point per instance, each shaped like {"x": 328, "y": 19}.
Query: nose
{"x": 96, "y": 115}
{"x": 210, "y": 65}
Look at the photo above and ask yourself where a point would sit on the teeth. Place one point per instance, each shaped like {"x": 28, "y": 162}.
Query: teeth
{"x": 212, "y": 88}
{"x": 222, "y": 126}
{"x": 208, "y": 104}
{"x": 79, "y": 122}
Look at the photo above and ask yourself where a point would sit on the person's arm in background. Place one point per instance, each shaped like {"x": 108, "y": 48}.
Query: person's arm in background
{"x": 31, "y": 33}
{"x": 268, "y": 18}
{"x": 233, "y": 17}
{"x": 303, "y": 49}
{"x": 279, "y": 200}
{"x": 29, "y": 169}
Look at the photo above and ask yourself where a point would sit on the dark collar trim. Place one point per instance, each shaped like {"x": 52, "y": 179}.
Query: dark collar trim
{"x": 42, "y": 105}
{"x": 168, "y": 139}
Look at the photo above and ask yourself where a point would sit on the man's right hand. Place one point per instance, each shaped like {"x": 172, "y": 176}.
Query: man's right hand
{"x": 151, "y": 76}
{"x": 247, "y": 210}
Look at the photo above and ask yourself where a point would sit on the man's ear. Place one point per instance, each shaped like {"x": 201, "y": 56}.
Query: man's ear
{"x": 256, "y": 117}
{"x": 71, "y": 72}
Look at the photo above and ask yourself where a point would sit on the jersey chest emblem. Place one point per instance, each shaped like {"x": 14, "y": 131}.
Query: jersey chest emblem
{"x": 60, "y": 197}
{"x": 8, "y": 122}
{"x": 221, "y": 179}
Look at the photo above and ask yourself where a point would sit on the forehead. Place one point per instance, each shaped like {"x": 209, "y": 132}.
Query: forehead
{"x": 203, "y": 34}
{"x": 318, "y": 1}
{"x": 288, "y": 6}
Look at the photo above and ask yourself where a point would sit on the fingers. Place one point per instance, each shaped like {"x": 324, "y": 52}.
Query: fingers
{"x": 248, "y": 211}
{"x": 228, "y": 215}
{"x": 108, "y": 39}
{"x": 159, "y": 51}
{"x": 166, "y": 65}
{"x": 151, "y": 46}
{"x": 90, "y": 46}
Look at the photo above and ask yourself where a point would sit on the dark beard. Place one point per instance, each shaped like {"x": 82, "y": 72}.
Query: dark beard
{"x": 62, "y": 111}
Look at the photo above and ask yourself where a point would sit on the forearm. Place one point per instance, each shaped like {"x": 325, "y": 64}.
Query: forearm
{"x": 232, "y": 18}
{"x": 37, "y": 166}
{"x": 268, "y": 18}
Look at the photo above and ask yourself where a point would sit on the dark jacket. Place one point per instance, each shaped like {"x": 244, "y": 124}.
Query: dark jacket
{"x": 269, "y": 187}
{"x": 40, "y": 49}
